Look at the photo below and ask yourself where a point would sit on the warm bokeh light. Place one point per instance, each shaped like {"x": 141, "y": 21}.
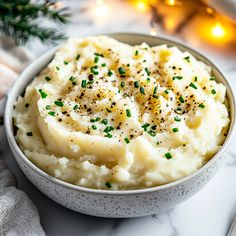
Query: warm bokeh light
{"x": 218, "y": 31}
{"x": 209, "y": 10}
{"x": 101, "y": 8}
{"x": 141, "y": 5}
{"x": 170, "y": 2}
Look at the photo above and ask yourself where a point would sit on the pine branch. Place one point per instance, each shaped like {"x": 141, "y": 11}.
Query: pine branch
{"x": 22, "y": 20}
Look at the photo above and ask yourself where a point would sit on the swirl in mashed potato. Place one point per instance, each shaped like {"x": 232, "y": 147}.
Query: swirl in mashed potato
{"x": 107, "y": 115}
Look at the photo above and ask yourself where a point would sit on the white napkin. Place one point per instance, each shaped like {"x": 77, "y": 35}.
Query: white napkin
{"x": 18, "y": 215}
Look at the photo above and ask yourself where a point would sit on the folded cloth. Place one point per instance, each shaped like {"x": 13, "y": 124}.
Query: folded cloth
{"x": 18, "y": 215}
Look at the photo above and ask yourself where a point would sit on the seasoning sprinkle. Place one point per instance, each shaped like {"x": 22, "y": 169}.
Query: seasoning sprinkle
{"x": 175, "y": 130}
{"x": 142, "y": 90}
{"x": 29, "y": 134}
{"x": 152, "y": 133}
{"x": 126, "y": 140}
{"x": 195, "y": 78}
{"x": 108, "y": 184}
{"x": 72, "y": 78}
{"x": 166, "y": 91}
{"x": 193, "y": 85}
{"x": 27, "y": 105}
{"x": 128, "y": 113}
{"x": 108, "y": 110}
{"x": 168, "y": 155}
{"x": 83, "y": 83}
{"x": 42, "y": 93}
{"x": 77, "y": 57}
{"x": 47, "y": 78}
{"x": 148, "y": 80}
{"x": 59, "y": 103}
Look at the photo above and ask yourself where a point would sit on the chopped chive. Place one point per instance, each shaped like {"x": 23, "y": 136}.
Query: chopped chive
{"x": 103, "y": 64}
{"x": 66, "y": 62}
{"x": 59, "y": 103}
{"x": 48, "y": 107}
{"x": 93, "y": 70}
{"x": 168, "y": 155}
{"x": 201, "y": 105}
{"x": 152, "y": 133}
{"x": 72, "y": 78}
{"x": 177, "y": 77}
{"x": 96, "y": 59}
{"x": 108, "y": 184}
{"x": 51, "y": 113}
{"x": 109, "y": 73}
{"x": 122, "y": 84}
{"x": 136, "y": 53}
{"x": 175, "y": 130}
{"x": 29, "y": 134}
{"x": 147, "y": 71}
{"x": 154, "y": 127}
{"x": 75, "y": 107}
{"x": 105, "y": 121}
{"x": 178, "y": 109}
{"x": 187, "y": 58}
{"x": 128, "y": 113}
{"x": 144, "y": 126}
{"x": 121, "y": 70}
{"x": 94, "y": 127}
{"x": 142, "y": 90}
{"x": 42, "y": 93}
{"x": 47, "y": 78}
{"x": 99, "y": 55}
{"x": 77, "y": 57}
{"x": 108, "y": 110}
{"x": 83, "y": 83}
{"x": 195, "y": 78}
{"x": 212, "y": 78}
{"x": 148, "y": 79}
{"x": 178, "y": 119}
{"x": 213, "y": 91}
{"x": 58, "y": 68}
{"x": 126, "y": 140}
{"x": 98, "y": 118}
{"x": 136, "y": 84}
{"x": 27, "y": 105}
{"x": 108, "y": 135}
{"x": 181, "y": 99}
{"x": 166, "y": 91}
{"x": 155, "y": 90}
{"x": 193, "y": 85}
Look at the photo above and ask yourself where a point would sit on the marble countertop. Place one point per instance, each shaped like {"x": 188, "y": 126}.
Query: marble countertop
{"x": 209, "y": 212}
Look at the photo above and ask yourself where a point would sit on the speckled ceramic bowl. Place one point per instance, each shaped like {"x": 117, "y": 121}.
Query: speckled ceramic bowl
{"x": 106, "y": 203}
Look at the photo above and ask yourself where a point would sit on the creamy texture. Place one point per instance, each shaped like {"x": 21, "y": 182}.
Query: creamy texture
{"x": 108, "y": 115}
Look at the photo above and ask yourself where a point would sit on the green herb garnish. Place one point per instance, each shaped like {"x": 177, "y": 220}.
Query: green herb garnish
{"x": 29, "y": 134}
{"x": 126, "y": 140}
{"x": 121, "y": 70}
{"x": 42, "y": 93}
{"x": 193, "y": 85}
{"x": 83, "y": 83}
{"x": 181, "y": 99}
{"x": 75, "y": 107}
{"x": 108, "y": 184}
{"x": 122, "y": 84}
{"x": 66, "y": 62}
{"x": 47, "y": 78}
{"x": 147, "y": 71}
{"x": 109, "y": 73}
{"x": 142, "y": 90}
{"x": 201, "y": 105}
{"x": 136, "y": 84}
{"x": 178, "y": 119}
{"x": 177, "y": 77}
{"x": 213, "y": 91}
{"x": 168, "y": 155}
{"x": 105, "y": 121}
{"x": 59, "y": 103}
{"x": 94, "y": 127}
{"x": 48, "y": 107}
{"x": 128, "y": 113}
{"x": 77, "y": 57}
{"x": 51, "y": 113}
{"x": 175, "y": 130}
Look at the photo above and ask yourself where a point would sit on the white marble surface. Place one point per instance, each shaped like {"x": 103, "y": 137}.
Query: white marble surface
{"x": 208, "y": 213}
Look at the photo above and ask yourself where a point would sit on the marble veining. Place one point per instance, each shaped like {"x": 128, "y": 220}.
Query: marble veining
{"x": 209, "y": 212}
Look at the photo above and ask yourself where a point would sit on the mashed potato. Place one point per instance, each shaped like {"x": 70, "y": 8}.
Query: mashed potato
{"x": 107, "y": 115}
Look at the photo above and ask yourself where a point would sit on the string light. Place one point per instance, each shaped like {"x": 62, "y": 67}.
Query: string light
{"x": 101, "y": 8}
{"x": 218, "y": 31}
{"x": 172, "y": 3}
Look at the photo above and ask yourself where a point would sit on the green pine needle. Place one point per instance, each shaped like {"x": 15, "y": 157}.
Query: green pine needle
{"x": 22, "y": 20}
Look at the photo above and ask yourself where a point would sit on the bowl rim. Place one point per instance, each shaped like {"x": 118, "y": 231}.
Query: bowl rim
{"x": 13, "y": 144}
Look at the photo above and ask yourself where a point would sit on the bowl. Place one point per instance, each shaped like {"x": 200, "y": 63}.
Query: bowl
{"x": 107, "y": 203}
